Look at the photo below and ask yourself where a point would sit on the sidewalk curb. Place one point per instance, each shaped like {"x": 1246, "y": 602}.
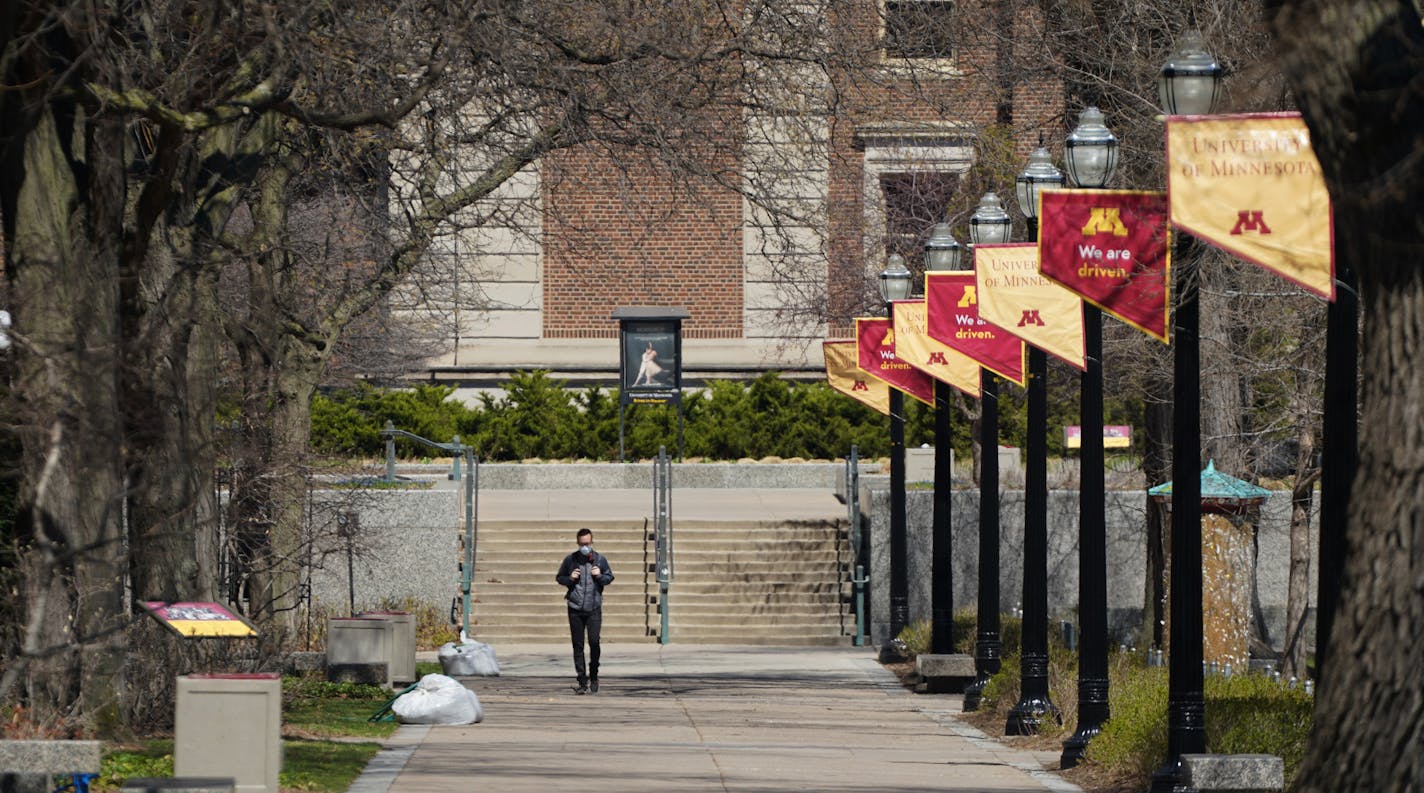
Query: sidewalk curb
{"x": 383, "y": 769}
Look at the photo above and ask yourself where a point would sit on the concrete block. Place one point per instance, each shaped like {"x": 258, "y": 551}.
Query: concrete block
{"x": 946, "y": 665}
{"x": 179, "y": 785}
{"x": 402, "y": 643}
{"x": 1233, "y": 773}
{"x": 50, "y": 757}
{"x": 230, "y": 726}
{"x": 944, "y": 674}
{"x": 358, "y": 640}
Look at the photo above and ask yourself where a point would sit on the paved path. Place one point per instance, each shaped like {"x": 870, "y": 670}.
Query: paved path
{"x": 704, "y": 718}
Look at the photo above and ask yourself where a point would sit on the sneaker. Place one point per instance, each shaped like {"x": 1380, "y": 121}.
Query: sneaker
{"x": 581, "y": 689}
{"x": 593, "y": 685}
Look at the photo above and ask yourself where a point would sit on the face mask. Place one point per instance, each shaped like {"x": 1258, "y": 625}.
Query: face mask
{"x": 586, "y": 549}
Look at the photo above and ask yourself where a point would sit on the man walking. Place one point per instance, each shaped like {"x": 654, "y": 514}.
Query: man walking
{"x": 585, "y": 573}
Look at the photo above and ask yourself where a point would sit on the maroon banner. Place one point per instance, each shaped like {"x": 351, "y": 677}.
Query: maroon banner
{"x": 875, "y": 355}
{"x": 1110, "y": 247}
{"x": 952, "y": 305}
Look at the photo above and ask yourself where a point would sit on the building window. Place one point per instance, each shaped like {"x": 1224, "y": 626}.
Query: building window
{"x": 920, "y": 29}
{"x": 914, "y": 203}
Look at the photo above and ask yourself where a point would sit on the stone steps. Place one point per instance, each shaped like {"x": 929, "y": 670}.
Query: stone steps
{"x": 747, "y": 582}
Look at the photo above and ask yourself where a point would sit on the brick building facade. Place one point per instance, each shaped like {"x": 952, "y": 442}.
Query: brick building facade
{"x": 580, "y": 234}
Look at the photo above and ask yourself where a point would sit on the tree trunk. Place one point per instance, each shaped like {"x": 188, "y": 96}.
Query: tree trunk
{"x": 1156, "y": 468}
{"x": 1354, "y": 66}
{"x": 1298, "y": 584}
{"x": 64, "y": 272}
{"x": 1221, "y": 383}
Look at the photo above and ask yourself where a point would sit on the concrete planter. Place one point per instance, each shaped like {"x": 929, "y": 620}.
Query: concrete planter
{"x": 230, "y": 726}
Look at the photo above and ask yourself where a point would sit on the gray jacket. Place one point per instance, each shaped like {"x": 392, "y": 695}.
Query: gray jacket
{"x": 585, "y": 592}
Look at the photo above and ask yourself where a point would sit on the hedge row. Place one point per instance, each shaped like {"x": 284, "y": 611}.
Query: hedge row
{"x": 537, "y": 417}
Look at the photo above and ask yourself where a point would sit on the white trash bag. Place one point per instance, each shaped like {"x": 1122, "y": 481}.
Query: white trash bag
{"x": 438, "y": 699}
{"x": 469, "y": 658}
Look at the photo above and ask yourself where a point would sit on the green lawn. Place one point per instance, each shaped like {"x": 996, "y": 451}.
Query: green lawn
{"x": 313, "y": 710}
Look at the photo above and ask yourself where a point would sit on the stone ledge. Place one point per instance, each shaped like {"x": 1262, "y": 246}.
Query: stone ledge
{"x": 1233, "y": 773}
{"x": 50, "y": 757}
{"x": 944, "y": 673}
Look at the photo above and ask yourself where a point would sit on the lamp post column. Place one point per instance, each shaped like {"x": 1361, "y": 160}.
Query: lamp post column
{"x": 1339, "y": 450}
{"x": 899, "y": 545}
{"x": 1186, "y": 708}
{"x": 1034, "y": 702}
{"x": 942, "y": 252}
{"x": 988, "y": 646}
{"x": 895, "y": 284}
{"x": 1189, "y": 85}
{"x": 1091, "y": 157}
{"x": 942, "y": 561}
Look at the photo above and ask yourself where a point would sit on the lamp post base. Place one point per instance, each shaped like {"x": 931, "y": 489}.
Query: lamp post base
{"x": 1092, "y": 713}
{"x": 987, "y": 663}
{"x": 1076, "y": 747}
{"x": 1029, "y": 715}
{"x": 1168, "y": 779}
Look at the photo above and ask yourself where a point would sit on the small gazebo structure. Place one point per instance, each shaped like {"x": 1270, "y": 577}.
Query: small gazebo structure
{"x": 1229, "y": 507}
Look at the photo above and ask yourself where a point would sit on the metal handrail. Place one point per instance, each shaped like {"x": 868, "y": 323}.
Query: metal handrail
{"x": 458, "y": 450}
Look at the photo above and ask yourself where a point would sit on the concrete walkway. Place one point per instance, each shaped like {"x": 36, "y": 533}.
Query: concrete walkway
{"x": 705, "y": 718}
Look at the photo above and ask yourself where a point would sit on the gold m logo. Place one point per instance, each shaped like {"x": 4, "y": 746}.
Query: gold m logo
{"x": 1105, "y": 220}
{"x": 937, "y": 358}
{"x": 970, "y": 296}
{"x": 1031, "y": 317}
{"x": 1250, "y": 220}
{"x": 889, "y": 340}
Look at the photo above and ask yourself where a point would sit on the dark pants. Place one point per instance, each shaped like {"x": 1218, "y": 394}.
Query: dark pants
{"x": 581, "y": 623}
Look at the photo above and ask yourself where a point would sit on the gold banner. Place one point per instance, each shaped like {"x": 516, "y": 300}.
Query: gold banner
{"x": 1251, "y": 185}
{"x": 936, "y": 359}
{"x": 843, "y": 375}
{"x": 1014, "y": 296}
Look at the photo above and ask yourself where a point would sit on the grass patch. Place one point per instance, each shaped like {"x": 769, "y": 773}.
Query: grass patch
{"x": 324, "y": 766}
{"x": 318, "y": 766}
{"x": 1245, "y": 714}
{"x": 314, "y": 708}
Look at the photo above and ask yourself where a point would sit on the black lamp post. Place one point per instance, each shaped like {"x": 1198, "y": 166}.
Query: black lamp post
{"x": 1034, "y": 702}
{"x": 895, "y": 283}
{"x": 942, "y": 252}
{"x": 1188, "y": 85}
{"x": 1091, "y": 157}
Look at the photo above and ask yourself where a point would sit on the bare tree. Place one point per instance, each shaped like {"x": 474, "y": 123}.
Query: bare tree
{"x": 1354, "y": 68}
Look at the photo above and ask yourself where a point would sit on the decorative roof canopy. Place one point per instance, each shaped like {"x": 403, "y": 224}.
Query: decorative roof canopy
{"x": 1219, "y": 491}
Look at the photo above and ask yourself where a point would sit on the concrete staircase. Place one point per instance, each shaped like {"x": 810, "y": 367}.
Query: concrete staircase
{"x": 735, "y": 582}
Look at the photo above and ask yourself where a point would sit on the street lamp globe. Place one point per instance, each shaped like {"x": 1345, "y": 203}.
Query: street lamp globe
{"x": 1090, "y": 151}
{"x": 990, "y": 223}
{"x": 1190, "y": 82}
{"x": 942, "y": 251}
{"x": 894, "y": 279}
{"x": 1039, "y": 175}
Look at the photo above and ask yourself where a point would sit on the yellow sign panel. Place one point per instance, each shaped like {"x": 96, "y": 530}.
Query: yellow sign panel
{"x": 1016, "y": 297}
{"x": 935, "y": 358}
{"x": 1252, "y": 186}
{"x": 845, "y": 376}
{"x": 199, "y": 619}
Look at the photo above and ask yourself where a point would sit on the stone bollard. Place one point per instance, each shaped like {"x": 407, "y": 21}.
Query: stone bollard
{"x": 1233, "y": 773}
